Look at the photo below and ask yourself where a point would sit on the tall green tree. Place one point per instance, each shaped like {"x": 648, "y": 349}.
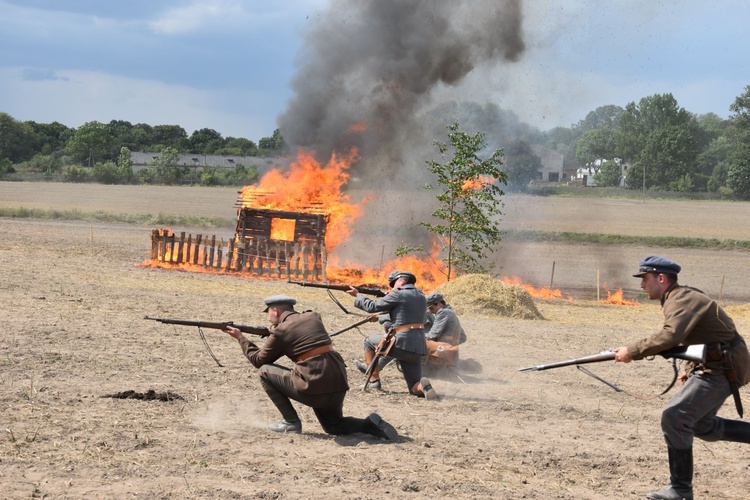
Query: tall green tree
{"x": 469, "y": 200}
{"x": 738, "y": 176}
{"x": 90, "y": 143}
{"x": 16, "y": 139}
{"x": 658, "y": 139}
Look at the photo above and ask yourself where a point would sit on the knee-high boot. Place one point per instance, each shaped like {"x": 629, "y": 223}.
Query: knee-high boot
{"x": 680, "y": 476}
{"x": 737, "y": 431}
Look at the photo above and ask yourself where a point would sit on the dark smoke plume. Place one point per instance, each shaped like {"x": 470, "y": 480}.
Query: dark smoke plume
{"x": 369, "y": 67}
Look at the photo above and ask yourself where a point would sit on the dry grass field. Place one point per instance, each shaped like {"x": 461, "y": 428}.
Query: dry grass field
{"x": 74, "y": 298}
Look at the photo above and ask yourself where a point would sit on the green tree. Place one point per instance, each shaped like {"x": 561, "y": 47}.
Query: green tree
{"x": 205, "y": 141}
{"x": 469, "y": 210}
{"x": 596, "y": 146}
{"x": 172, "y": 136}
{"x": 609, "y": 174}
{"x": 92, "y": 141}
{"x": 272, "y": 146}
{"x": 738, "y": 177}
{"x": 167, "y": 166}
{"x": 16, "y": 139}
{"x": 658, "y": 139}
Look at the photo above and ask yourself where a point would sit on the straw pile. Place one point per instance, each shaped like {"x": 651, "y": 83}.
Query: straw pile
{"x": 483, "y": 295}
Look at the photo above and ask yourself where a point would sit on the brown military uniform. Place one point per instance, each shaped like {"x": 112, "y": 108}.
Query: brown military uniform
{"x": 691, "y": 317}
{"x": 294, "y": 336}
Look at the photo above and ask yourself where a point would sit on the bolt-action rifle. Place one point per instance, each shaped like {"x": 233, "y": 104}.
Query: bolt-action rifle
{"x": 254, "y": 330}
{"x": 361, "y": 289}
{"x": 695, "y": 353}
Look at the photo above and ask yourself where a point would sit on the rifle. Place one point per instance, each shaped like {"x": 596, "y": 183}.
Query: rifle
{"x": 381, "y": 351}
{"x": 361, "y": 289}
{"x": 254, "y": 330}
{"x": 368, "y": 319}
{"x": 695, "y": 353}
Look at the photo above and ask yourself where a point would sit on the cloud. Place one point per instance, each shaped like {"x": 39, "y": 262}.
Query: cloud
{"x": 84, "y": 96}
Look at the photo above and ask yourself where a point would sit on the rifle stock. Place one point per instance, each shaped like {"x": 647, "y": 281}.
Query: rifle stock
{"x": 361, "y": 289}
{"x": 254, "y": 330}
{"x": 695, "y": 353}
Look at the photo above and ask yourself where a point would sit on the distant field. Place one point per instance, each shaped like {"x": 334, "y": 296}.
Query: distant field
{"x": 578, "y": 267}
{"x": 680, "y": 218}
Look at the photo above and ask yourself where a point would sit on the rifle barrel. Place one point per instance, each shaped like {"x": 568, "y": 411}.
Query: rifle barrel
{"x": 592, "y": 358}
{"x": 254, "y": 330}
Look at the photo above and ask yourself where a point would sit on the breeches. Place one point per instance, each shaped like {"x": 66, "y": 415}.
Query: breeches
{"x": 411, "y": 363}
{"x": 277, "y": 382}
{"x": 692, "y": 411}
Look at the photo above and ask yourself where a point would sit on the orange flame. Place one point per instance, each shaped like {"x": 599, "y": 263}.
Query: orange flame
{"x": 618, "y": 298}
{"x": 308, "y": 186}
{"x": 543, "y": 292}
{"x": 478, "y": 183}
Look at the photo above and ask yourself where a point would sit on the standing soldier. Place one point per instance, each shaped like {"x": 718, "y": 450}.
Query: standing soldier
{"x": 318, "y": 379}
{"x": 403, "y": 311}
{"x": 691, "y": 317}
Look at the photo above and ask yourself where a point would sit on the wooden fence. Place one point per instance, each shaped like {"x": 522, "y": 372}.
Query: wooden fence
{"x": 260, "y": 256}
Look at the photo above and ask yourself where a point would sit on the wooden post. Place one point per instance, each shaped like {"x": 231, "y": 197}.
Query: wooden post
{"x": 219, "y": 253}
{"x": 597, "y": 285}
{"x": 154, "y": 244}
{"x": 213, "y": 251}
{"x": 552, "y": 278}
{"x": 721, "y": 290}
{"x": 196, "y": 249}
{"x": 171, "y": 248}
{"x": 304, "y": 261}
{"x": 188, "y": 248}
{"x": 180, "y": 247}
{"x": 230, "y": 254}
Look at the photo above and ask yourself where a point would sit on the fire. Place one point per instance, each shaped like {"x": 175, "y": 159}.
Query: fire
{"x": 618, "y": 298}
{"x": 308, "y": 186}
{"x": 357, "y": 127}
{"x": 543, "y": 292}
{"x": 479, "y": 183}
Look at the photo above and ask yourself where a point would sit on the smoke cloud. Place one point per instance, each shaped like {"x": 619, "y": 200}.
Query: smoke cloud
{"x": 369, "y": 72}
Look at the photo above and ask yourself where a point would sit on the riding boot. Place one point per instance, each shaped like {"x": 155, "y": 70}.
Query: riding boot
{"x": 737, "y": 431}
{"x": 680, "y": 476}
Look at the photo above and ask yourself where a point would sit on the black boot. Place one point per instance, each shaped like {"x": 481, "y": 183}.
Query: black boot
{"x": 680, "y": 476}
{"x": 737, "y": 431}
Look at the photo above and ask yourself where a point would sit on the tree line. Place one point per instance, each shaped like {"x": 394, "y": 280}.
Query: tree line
{"x": 657, "y": 145}
{"x": 101, "y": 152}
{"x": 653, "y": 144}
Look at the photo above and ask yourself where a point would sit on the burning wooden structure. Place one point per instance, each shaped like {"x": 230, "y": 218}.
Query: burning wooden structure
{"x": 267, "y": 243}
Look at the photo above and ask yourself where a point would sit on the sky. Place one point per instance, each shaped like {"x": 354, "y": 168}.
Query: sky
{"x": 239, "y": 66}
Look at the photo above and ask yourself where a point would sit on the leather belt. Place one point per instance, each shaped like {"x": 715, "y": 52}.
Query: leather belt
{"x": 314, "y": 352}
{"x": 410, "y": 326}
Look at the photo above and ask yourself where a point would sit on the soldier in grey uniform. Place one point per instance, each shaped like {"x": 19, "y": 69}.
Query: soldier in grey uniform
{"x": 318, "y": 378}
{"x": 403, "y": 310}
{"x": 442, "y": 327}
{"x": 691, "y": 317}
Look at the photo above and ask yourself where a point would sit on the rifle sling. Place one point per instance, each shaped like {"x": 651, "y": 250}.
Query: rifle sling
{"x": 633, "y": 394}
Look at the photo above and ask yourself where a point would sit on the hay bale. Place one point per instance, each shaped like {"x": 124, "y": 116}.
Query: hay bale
{"x": 484, "y": 295}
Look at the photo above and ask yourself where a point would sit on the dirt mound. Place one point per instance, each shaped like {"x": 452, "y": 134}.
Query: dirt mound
{"x": 484, "y": 295}
{"x": 150, "y": 395}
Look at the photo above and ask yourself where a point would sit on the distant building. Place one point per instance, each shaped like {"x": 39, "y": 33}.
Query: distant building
{"x": 552, "y": 164}
{"x": 142, "y": 159}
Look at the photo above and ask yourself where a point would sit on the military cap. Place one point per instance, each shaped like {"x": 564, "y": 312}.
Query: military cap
{"x": 278, "y": 300}
{"x": 656, "y": 264}
{"x": 434, "y": 298}
{"x": 401, "y": 274}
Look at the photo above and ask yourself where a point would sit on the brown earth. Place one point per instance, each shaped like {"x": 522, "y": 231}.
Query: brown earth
{"x": 73, "y": 336}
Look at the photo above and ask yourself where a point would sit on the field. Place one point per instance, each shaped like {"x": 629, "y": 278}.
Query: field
{"x": 74, "y": 338}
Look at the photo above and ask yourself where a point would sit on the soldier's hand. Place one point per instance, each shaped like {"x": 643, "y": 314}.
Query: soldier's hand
{"x": 352, "y": 291}
{"x": 622, "y": 355}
